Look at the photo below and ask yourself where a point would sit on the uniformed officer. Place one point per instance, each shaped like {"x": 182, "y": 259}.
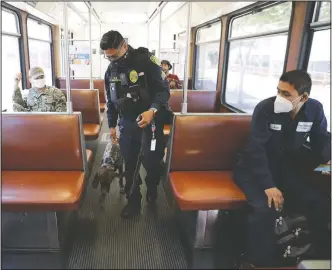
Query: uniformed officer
{"x": 273, "y": 170}
{"x": 135, "y": 85}
{"x": 39, "y": 98}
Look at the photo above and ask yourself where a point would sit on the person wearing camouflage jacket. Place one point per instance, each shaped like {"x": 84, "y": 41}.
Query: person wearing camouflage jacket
{"x": 40, "y": 98}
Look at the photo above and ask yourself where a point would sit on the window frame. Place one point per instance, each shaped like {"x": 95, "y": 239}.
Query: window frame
{"x": 237, "y": 14}
{"x": 17, "y": 13}
{"x": 204, "y": 25}
{"x": 51, "y": 42}
{"x": 311, "y": 27}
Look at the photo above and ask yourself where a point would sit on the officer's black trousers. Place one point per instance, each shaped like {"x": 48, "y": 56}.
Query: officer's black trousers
{"x": 130, "y": 144}
{"x": 299, "y": 197}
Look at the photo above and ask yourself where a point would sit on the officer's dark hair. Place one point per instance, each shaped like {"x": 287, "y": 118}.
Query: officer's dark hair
{"x": 111, "y": 40}
{"x": 300, "y": 79}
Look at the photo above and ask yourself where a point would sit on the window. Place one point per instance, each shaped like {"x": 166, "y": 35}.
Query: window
{"x": 181, "y": 45}
{"x": 257, "y": 50}
{"x": 79, "y": 59}
{"x": 319, "y": 64}
{"x": 40, "y": 41}
{"x": 207, "y": 57}
{"x": 11, "y": 64}
{"x": 324, "y": 11}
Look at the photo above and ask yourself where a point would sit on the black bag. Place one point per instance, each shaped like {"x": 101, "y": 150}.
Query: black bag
{"x": 294, "y": 241}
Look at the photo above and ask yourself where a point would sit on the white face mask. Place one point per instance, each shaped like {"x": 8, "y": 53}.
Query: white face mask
{"x": 40, "y": 83}
{"x": 283, "y": 105}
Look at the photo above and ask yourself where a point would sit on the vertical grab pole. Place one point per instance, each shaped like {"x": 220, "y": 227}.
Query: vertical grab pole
{"x": 186, "y": 66}
{"x": 90, "y": 44}
{"x": 100, "y": 59}
{"x": 159, "y": 35}
{"x": 66, "y": 58}
{"x": 148, "y": 34}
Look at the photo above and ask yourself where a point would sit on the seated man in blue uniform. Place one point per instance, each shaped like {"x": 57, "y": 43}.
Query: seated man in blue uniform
{"x": 136, "y": 85}
{"x": 273, "y": 169}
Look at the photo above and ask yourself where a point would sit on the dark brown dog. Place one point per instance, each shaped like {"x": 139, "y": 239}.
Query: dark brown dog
{"x": 105, "y": 177}
{"x": 111, "y": 168}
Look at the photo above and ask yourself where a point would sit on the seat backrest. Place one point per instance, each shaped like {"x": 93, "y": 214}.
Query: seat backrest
{"x": 99, "y": 84}
{"x": 42, "y": 142}
{"x": 86, "y": 101}
{"x": 199, "y": 101}
{"x": 76, "y": 83}
{"x": 207, "y": 142}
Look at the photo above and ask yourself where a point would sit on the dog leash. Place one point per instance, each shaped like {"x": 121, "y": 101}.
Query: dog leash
{"x": 141, "y": 152}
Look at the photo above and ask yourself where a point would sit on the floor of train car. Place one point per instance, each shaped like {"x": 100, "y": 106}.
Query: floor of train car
{"x": 105, "y": 240}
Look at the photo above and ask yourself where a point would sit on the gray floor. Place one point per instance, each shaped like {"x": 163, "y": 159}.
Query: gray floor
{"x": 103, "y": 240}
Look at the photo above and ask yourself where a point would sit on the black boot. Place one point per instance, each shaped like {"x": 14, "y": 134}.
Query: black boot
{"x": 133, "y": 207}
{"x": 151, "y": 194}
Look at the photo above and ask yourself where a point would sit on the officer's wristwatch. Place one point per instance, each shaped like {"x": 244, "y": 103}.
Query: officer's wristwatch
{"x": 154, "y": 110}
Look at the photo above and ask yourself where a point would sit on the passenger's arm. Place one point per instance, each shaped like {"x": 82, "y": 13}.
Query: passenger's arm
{"x": 179, "y": 86}
{"x": 259, "y": 136}
{"x": 158, "y": 84}
{"x": 17, "y": 95}
{"x": 112, "y": 113}
{"x": 60, "y": 99}
{"x": 320, "y": 138}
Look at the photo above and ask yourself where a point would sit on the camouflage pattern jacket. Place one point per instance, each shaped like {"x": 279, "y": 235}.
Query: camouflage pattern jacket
{"x": 49, "y": 100}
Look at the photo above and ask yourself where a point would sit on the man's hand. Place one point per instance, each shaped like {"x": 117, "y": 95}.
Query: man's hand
{"x": 18, "y": 78}
{"x": 146, "y": 119}
{"x": 327, "y": 173}
{"x": 275, "y": 195}
{"x": 113, "y": 135}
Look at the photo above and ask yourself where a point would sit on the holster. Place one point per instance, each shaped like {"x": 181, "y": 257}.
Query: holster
{"x": 134, "y": 105}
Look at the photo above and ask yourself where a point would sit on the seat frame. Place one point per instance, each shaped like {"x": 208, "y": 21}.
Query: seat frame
{"x": 55, "y": 226}
{"x": 200, "y": 239}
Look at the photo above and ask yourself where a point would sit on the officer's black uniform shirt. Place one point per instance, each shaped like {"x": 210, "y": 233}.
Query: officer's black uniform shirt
{"x": 157, "y": 84}
{"x": 276, "y": 140}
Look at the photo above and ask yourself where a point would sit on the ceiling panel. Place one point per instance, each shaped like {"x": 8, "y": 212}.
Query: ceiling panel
{"x": 122, "y": 7}
{"x": 122, "y": 12}
{"x": 128, "y": 17}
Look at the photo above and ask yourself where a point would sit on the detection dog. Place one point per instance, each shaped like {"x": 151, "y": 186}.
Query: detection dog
{"x": 111, "y": 168}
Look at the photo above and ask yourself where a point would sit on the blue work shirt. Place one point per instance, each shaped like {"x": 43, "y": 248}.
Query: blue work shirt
{"x": 276, "y": 140}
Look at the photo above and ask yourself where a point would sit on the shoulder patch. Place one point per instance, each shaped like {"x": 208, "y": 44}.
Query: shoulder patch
{"x": 155, "y": 60}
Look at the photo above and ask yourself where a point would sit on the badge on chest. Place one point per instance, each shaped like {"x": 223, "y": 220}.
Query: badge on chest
{"x": 304, "y": 127}
{"x": 275, "y": 127}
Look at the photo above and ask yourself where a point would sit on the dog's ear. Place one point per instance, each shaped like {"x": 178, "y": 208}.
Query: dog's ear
{"x": 95, "y": 181}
